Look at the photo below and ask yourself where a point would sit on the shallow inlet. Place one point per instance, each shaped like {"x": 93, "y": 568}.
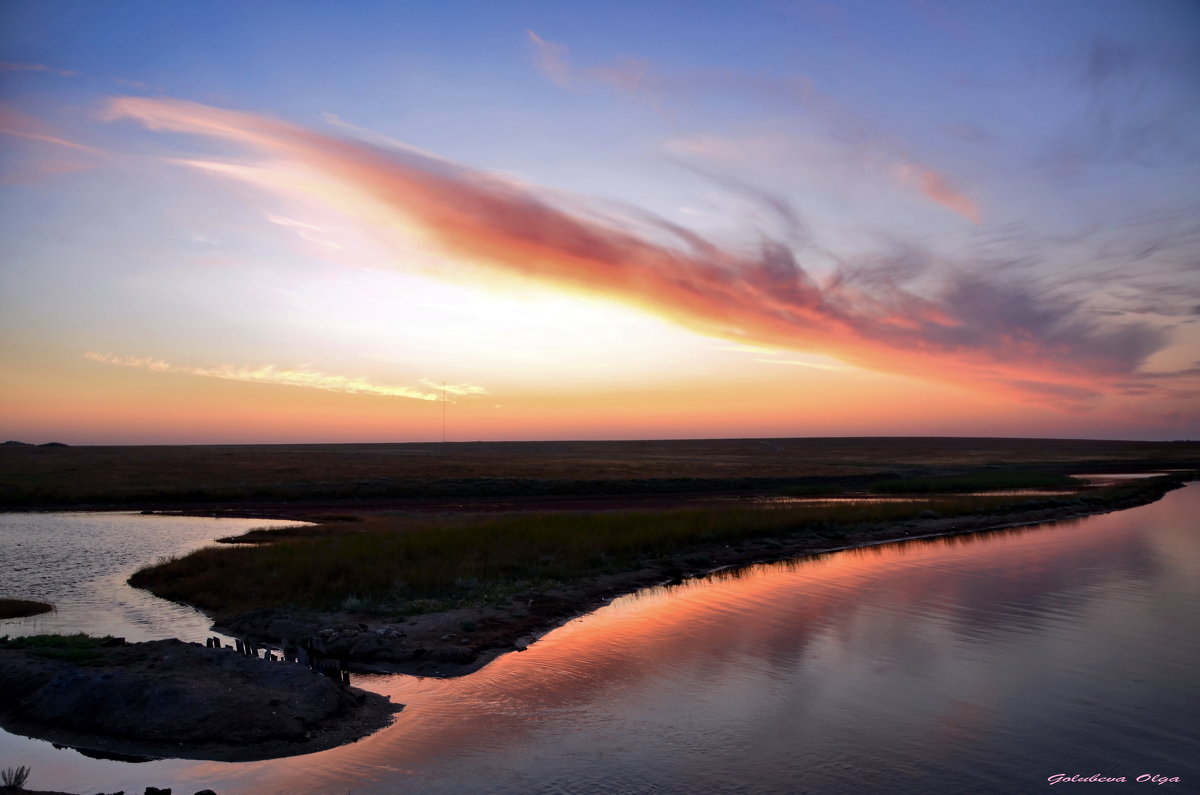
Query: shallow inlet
{"x": 974, "y": 663}
{"x": 79, "y": 562}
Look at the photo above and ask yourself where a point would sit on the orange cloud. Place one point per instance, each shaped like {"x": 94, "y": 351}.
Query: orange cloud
{"x": 992, "y": 337}
{"x": 311, "y": 379}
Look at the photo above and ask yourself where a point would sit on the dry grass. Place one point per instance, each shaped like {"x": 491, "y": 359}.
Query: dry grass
{"x": 47, "y": 476}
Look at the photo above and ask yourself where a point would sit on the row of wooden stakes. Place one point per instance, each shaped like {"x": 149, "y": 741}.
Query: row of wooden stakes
{"x": 333, "y": 668}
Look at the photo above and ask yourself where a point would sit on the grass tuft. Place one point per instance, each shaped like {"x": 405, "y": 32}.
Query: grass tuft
{"x": 14, "y": 777}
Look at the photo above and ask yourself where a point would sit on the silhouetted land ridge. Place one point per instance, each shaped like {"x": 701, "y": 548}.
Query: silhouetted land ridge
{"x": 176, "y": 476}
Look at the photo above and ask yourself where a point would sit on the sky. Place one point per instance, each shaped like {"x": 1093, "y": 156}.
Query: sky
{"x": 253, "y": 222}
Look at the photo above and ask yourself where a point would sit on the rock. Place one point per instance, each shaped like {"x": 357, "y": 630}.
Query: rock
{"x": 205, "y": 792}
{"x": 157, "y": 791}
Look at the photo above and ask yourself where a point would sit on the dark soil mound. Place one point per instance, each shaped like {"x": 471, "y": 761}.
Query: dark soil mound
{"x": 174, "y": 699}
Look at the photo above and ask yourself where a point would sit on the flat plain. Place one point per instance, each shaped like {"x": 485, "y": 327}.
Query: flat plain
{"x": 37, "y": 476}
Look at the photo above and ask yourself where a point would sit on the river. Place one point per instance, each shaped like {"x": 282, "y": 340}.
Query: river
{"x": 984, "y": 663}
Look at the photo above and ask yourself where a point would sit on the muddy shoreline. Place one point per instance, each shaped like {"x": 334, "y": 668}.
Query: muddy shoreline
{"x": 460, "y": 641}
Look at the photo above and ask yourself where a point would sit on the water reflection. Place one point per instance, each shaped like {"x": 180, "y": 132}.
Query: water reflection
{"x": 969, "y": 663}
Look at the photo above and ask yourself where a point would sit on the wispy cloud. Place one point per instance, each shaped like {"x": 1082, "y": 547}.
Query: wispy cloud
{"x": 628, "y": 75}
{"x": 454, "y": 389}
{"x": 9, "y": 66}
{"x": 551, "y": 59}
{"x": 993, "y": 336}
{"x": 937, "y": 188}
{"x": 270, "y": 374}
{"x": 810, "y": 365}
{"x": 742, "y": 348}
{"x": 310, "y": 233}
{"x": 853, "y": 130}
{"x": 22, "y": 125}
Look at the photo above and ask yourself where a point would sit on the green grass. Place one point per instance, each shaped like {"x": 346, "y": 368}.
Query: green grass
{"x": 72, "y": 648}
{"x": 999, "y": 480}
{"x": 387, "y": 566}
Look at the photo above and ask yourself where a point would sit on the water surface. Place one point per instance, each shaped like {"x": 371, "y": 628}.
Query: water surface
{"x": 79, "y": 562}
{"x": 969, "y": 664}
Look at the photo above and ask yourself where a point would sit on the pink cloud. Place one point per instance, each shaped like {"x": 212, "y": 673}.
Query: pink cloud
{"x": 21, "y": 125}
{"x": 1000, "y": 339}
{"x": 936, "y": 188}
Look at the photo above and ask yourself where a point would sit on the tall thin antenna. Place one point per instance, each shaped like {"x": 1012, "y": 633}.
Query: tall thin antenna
{"x": 443, "y": 412}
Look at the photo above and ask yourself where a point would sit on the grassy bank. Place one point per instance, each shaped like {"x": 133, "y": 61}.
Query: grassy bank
{"x": 383, "y": 565}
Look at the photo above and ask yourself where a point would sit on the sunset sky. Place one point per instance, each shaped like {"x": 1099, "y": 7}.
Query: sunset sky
{"x": 294, "y": 222}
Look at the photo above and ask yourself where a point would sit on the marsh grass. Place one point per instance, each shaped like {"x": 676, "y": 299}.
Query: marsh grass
{"x": 386, "y": 566}
{"x": 997, "y": 480}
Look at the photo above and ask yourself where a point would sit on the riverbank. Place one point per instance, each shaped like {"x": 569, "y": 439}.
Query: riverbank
{"x": 456, "y": 635}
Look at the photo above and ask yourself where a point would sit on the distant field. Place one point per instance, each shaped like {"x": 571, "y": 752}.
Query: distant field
{"x": 41, "y": 476}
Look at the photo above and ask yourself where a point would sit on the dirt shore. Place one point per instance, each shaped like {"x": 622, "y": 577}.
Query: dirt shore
{"x": 172, "y": 699}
